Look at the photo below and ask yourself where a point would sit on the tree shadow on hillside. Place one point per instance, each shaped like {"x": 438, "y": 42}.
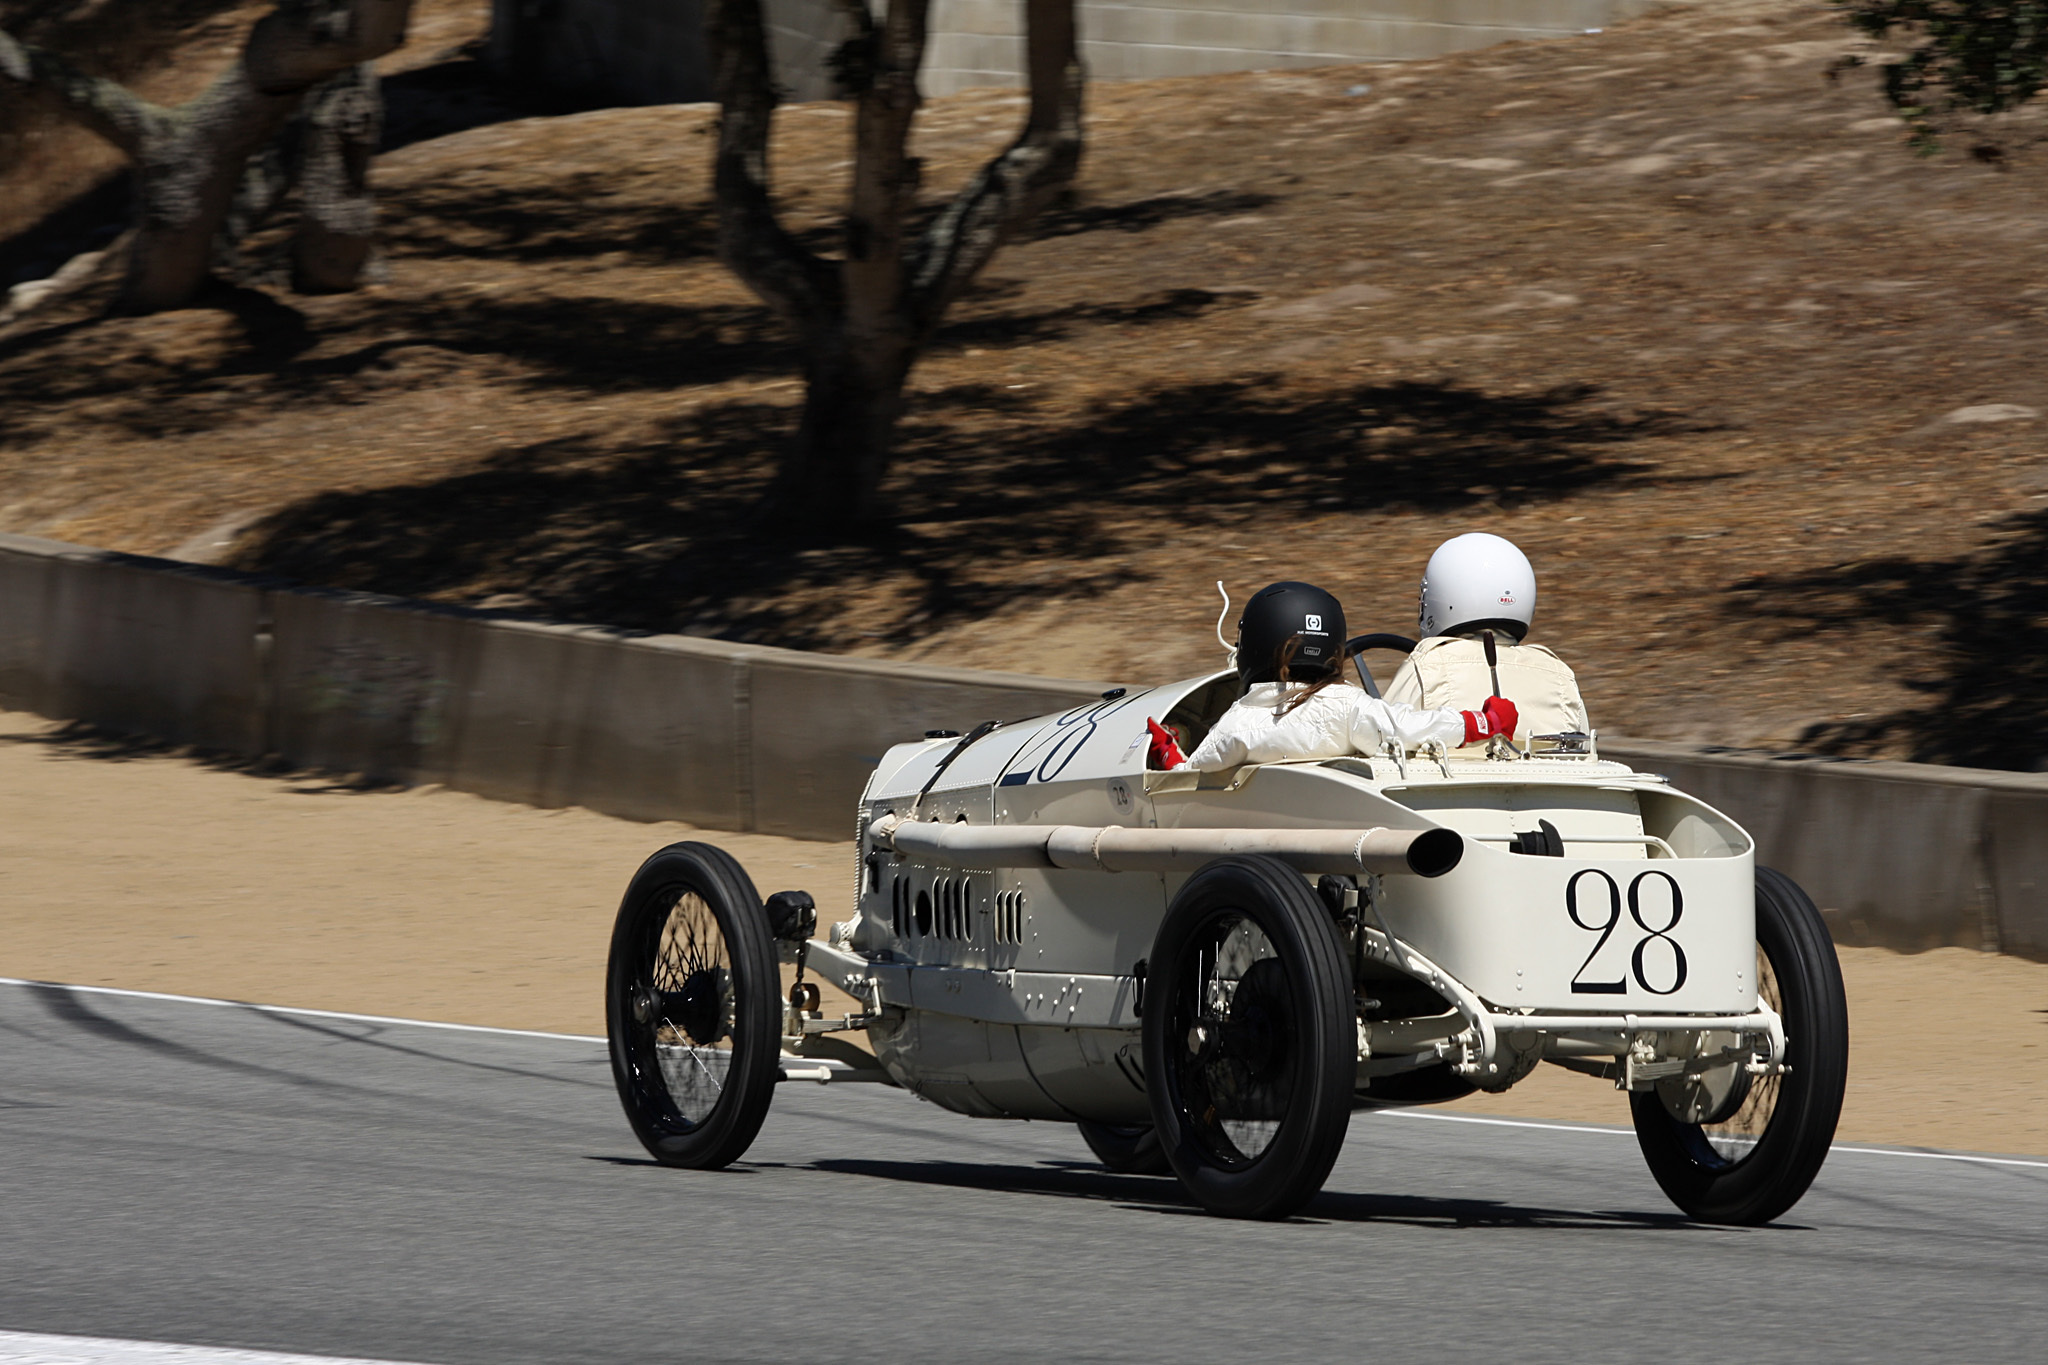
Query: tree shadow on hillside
{"x": 1140, "y": 215}
{"x": 1986, "y": 686}
{"x": 593, "y": 214}
{"x": 573, "y": 217}
{"x": 993, "y": 507}
{"x": 598, "y": 343}
{"x": 1024, "y": 328}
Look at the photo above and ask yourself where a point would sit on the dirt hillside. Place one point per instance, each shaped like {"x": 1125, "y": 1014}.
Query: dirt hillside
{"x": 1667, "y": 305}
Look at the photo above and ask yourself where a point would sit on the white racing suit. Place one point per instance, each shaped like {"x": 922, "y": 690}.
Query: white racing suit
{"x": 1341, "y": 719}
{"x": 1447, "y": 670}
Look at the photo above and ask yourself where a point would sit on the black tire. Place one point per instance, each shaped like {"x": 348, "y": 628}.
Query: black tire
{"x": 1757, "y": 1163}
{"x": 1127, "y": 1149}
{"x": 1250, "y": 1039}
{"x": 693, "y": 1007}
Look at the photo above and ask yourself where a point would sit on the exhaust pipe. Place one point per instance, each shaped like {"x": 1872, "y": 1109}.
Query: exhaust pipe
{"x": 1114, "y": 848}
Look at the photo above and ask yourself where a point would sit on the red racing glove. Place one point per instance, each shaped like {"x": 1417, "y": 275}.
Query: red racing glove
{"x": 1166, "y": 754}
{"x": 1497, "y": 717}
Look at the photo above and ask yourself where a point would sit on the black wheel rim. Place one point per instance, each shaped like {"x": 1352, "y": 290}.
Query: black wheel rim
{"x": 681, "y": 1011}
{"x": 1726, "y": 1145}
{"x": 1232, "y": 1041}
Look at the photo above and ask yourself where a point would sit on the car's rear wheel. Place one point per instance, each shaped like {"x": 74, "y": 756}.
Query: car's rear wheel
{"x": 1746, "y": 1152}
{"x": 1250, "y": 1039}
{"x": 692, "y": 1007}
{"x": 1127, "y": 1149}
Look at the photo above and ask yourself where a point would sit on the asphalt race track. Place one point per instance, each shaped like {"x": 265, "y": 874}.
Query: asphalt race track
{"x": 175, "y": 1172}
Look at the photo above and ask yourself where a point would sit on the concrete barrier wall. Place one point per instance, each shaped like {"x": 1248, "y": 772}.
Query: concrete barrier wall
{"x": 749, "y": 738}
{"x": 2016, "y": 868}
{"x": 1903, "y": 854}
{"x": 646, "y": 727}
{"x": 141, "y": 645}
{"x": 652, "y": 51}
{"x": 517, "y": 711}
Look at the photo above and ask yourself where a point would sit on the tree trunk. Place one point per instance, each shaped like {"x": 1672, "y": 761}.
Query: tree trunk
{"x": 192, "y": 162}
{"x": 337, "y": 231}
{"x": 187, "y": 174}
{"x": 832, "y": 475}
{"x": 855, "y": 371}
{"x": 324, "y": 151}
{"x": 864, "y": 319}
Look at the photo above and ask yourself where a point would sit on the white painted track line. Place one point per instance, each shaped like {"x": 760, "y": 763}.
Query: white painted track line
{"x": 1591, "y": 1129}
{"x": 31, "y": 1348}
{"x": 1836, "y": 1149}
{"x": 300, "y": 1013}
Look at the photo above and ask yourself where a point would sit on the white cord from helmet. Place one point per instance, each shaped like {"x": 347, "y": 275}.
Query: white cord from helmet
{"x": 1221, "y": 617}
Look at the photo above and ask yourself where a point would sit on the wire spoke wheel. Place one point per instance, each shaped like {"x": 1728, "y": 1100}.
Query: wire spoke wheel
{"x": 1733, "y": 1140}
{"x": 1234, "y": 1070}
{"x": 691, "y": 1006}
{"x": 1746, "y": 1150}
{"x": 1250, "y": 1039}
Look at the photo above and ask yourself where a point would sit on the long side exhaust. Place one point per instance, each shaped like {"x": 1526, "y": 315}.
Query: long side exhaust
{"x": 1114, "y": 848}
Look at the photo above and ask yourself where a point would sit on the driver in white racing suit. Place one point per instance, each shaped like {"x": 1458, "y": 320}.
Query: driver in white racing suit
{"x": 1477, "y": 583}
{"x": 1296, "y": 705}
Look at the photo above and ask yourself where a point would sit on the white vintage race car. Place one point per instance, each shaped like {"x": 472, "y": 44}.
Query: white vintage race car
{"x": 1208, "y": 972}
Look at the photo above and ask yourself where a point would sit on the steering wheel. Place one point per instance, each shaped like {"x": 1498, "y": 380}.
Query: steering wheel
{"x": 1380, "y": 639}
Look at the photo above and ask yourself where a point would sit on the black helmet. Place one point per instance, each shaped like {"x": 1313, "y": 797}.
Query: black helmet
{"x": 1279, "y": 612}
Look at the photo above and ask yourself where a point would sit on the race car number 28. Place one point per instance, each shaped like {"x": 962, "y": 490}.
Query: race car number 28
{"x": 1656, "y": 911}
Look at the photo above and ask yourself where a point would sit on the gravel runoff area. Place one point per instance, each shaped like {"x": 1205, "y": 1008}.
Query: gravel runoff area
{"x": 150, "y": 871}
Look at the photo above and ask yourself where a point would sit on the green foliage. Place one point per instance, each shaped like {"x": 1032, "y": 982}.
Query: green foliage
{"x": 1987, "y": 56}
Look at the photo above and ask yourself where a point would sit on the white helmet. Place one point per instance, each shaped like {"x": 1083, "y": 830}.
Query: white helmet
{"x": 1477, "y": 581}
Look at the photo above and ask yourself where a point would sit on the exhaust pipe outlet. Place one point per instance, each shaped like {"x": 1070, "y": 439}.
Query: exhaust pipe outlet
{"x": 1435, "y": 852}
{"x": 1115, "y": 848}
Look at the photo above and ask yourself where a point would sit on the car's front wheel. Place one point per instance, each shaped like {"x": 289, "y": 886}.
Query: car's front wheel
{"x": 693, "y": 1007}
{"x": 1250, "y": 1039}
{"x": 1747, "y": 1152}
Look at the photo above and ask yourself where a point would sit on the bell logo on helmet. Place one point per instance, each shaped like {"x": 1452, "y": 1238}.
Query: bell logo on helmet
{"x": 1313, "y": 623}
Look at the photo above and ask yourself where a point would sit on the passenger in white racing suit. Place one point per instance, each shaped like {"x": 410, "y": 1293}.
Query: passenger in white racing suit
{"x": 1290, "y": 652}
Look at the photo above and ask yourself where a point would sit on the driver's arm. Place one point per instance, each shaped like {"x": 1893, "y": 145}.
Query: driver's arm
{"x": 1373, "y": 722}
{"x": 1225, "y": 746}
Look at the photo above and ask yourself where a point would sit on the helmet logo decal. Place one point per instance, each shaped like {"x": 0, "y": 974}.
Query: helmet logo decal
{"x": 1313, "y": 623}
